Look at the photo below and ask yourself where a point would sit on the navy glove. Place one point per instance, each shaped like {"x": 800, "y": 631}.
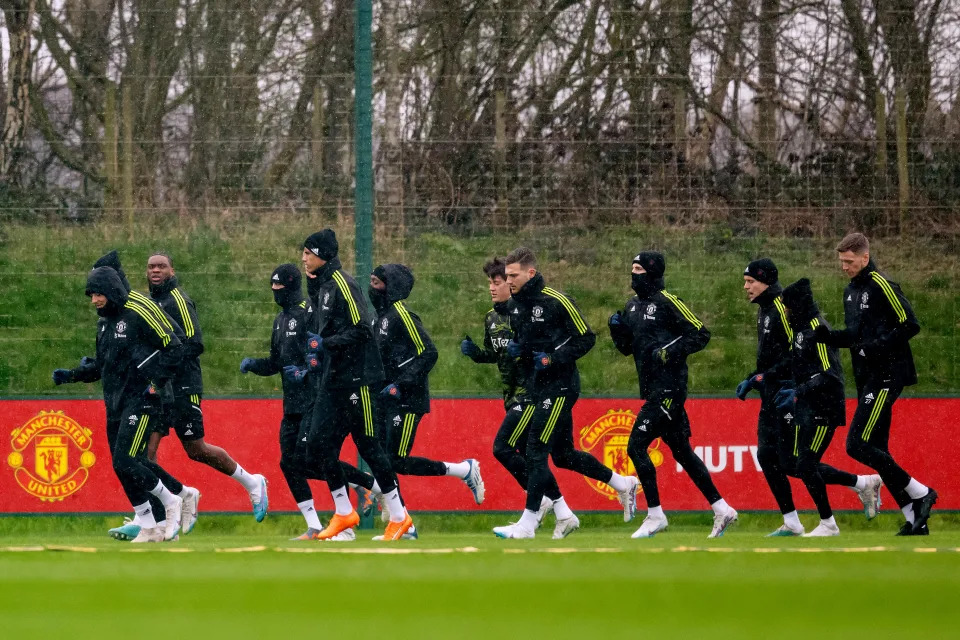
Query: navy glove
{"x": 295, "y": 374}
{"x": 246, "y": 364}
{"x": 785, "y": 399}
{"x": 314, "y": 362}
{"x": 821, "y": 334}
{"x": 163, "y": 393}
{"x": 86, "y": 362}
{"x": 542, "y": 360}
{"x": 314, "y": 343}
{"x": 62, "y": 376}
{"x": 514, "y": 350}
{"x": 392, "y": 391}
{"x": 615, "y": 320}
{"x": 469, "y": 348}
{"x": 753, "y": 382}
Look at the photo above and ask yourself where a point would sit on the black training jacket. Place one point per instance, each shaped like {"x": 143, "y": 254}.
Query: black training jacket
{"x": 817, "y": 373}
{"x": 661, "y": 320}
{"x": 133, "y": 348}
{"x": 177, "y": 304}
{"x": 497, "y": 333}
{"x": 774, "y": 338}
{"x": 288, "y": 347}
{"x": 546, "y": 320}
{"x": 343, "y": 319}
{"x": 407, "y": 353}
{"x": 879, "y": 325}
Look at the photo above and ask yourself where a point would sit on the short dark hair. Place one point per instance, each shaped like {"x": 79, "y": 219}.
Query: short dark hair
{"x": 522, "y": 256}
{"x": 856, "y": 242}
{"x": 164, "y": 254}
{"x": 495, "y": 268}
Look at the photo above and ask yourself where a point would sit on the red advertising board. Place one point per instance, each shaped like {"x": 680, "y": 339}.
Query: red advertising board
{"x": 56, "y": 459}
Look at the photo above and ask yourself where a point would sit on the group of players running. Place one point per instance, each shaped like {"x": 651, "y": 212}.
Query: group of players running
{"x": 345, "y": 372}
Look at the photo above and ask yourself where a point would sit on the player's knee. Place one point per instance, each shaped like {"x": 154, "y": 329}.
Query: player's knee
{"x": 807, "y": 467}
{"x": 858, "y": 449}
{"x": 768, "y": 457}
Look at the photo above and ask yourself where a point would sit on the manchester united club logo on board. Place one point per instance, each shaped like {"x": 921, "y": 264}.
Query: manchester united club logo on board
{"x": 607, "y": 438}
{"x": 51, "y": 456}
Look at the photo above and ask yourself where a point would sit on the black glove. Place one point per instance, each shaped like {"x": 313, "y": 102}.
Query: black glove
{"x": 62, "y": 376}
{"x": 821, "y": 334}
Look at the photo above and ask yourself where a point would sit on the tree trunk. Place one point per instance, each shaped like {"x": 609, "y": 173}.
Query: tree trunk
{"x": 18, "y": 15}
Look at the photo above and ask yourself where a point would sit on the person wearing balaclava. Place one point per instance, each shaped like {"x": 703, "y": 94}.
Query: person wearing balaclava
{"x": 408, "y": 356}
{"x": 775, "y": 432}
{"x": 185, "y": 414}
{"x": 135, "y": 358}
{"x": 287, "y": 349}
{"x": 344, "y": 363}
{"x": 660, "y": 332}
{"x": 815, "y": 396}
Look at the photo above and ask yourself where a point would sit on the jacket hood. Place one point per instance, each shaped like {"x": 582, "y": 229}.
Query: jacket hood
{"x": 399, "y": 280}
{"x": 112, "y": 260}
{"x": 798, "y": 298}
{"x": 165, "y": 287}
{"x": 766, "y": 298}
{"x": 864, "y": 274}
{"x": 106, "y": 281}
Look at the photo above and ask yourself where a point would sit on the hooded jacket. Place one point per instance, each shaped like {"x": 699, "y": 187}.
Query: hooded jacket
{"x": 654, "y": 320}
{"x": 879, "y": 325}
{"x": 774, "y": 339}
{"x": 497, "y": 333}
{"x": 342, "y": 318}
{"x": 287, "y": 347}
{"x": 177, "y": 304}
{"x": 407, "y": 353}
{"x": 546, "y": 320}
{"x": 814, "y": 367}
{"x": 133, "y": 348}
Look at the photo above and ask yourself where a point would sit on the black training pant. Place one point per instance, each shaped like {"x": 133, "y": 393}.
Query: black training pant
{"x": 868, "y": 440}
{"x": 510, "y": 447}
{"x": 400, "y": 429}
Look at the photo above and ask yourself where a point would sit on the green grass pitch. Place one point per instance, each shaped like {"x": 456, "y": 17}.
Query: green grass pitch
{"x": 234, "y": 579}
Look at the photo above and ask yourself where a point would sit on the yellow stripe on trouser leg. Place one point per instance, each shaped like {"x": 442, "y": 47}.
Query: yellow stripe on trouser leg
{"x": 552, "y": 420}
{"x": 875, "y": 414}
{"x": 522, "y": 425}
{"x": 138, "y": 436}
{"x": 367, "y": 411}
{"x": 405, "y": 437}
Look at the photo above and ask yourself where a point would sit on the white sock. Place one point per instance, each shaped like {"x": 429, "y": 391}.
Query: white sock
{"x": 145, "y": 515}
{"x": 458, "y": 469}
{"x": 792, "y": 520}
{"x": 618, "y": 482}
{"x": 908, "y": 512}
{"x": 163, "y": 494}
{"x": 545, "y": 502}
{"x": 529, "y": 519}
{"x": 830, "y": 522}
{"x": 916, "y": 490}
{"x": 341, "y": 502}
{"x": 861, "y": 483}
{"x": 397, "y": 511}
{"x": 656, "y": 512}
{"x": 250, "y": 482}
{"x": 720, "y": 507}
{"x": 310, "y": 514}
{"x": 376, "y": 488}
{"x": 561, "y": 509}
{"x": 136, "y": 519}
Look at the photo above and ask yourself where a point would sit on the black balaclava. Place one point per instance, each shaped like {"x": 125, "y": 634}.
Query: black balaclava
{"x": 378, "y": 298}
{"x": 399, "y": 280}
{"x": 798, "y": 299}
{"x": 112, "y": 260}
{"x": 646, "y": 284}
{"x": 106, "y": 281}
{"x": 289, "y": 276}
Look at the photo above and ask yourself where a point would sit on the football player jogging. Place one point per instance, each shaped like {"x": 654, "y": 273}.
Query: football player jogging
{"x": 775, "y": 431}
{"x": 879, "y": 325}
{"x": 136, "y": 356}
{"x": 551, "y": 333}
{"x": 815, "y": 396}
{"x": 287, "y": 348}
{"x": 342, "y": 353}
{"x": 660, "y": 331}
{"x": 510, "y": 443}
{"x": 185, "y": 414}
{"x": 408, "y": 356}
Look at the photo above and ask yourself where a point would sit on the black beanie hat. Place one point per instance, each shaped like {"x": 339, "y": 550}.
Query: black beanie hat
{"x": 381, "y": 273}
{"x": 286, "y": 274}
{"x": 762, "y": 270}
{"x": 798, "y": 298}
{"x": 652, "y": 262}
{"x": 323, "y": 244}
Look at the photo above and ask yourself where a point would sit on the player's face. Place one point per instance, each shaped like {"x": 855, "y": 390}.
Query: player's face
{"x": 98, "y": 300}
{"x": 499, "y": 289}
{"x": 637, "y": 269}
{"x": 517, "y": 276}
{"x": 853, "y": 263}
{"x": 377, "y": 283}
{"x": 753, "y": 287}
{"x": 277, "y": 287}
{"x": 159, "y": 270}
{"x": 311, "y": 262}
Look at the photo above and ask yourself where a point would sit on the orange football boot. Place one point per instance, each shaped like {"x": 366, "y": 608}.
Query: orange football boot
{"x": 395, "y": 530}
{"x": 338, "y": 524}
